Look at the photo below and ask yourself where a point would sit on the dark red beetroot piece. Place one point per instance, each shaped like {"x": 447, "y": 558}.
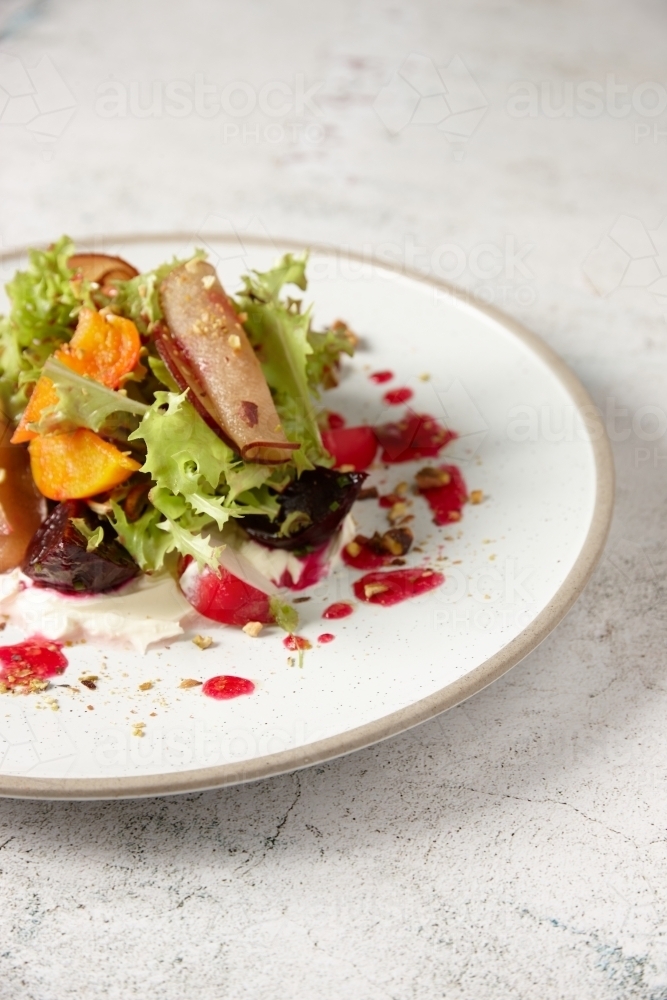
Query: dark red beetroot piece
{"x": 323, "y": 496}
{"x": 57, "y": 555}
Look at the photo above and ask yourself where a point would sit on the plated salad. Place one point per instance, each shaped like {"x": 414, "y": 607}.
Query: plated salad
{"x": 157, "y": 428}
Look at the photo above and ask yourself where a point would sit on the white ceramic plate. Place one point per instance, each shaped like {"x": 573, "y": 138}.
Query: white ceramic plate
{"x": 529, "y": 437}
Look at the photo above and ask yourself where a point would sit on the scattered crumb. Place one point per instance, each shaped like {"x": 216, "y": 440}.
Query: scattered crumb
{"x": 290, "y": 661}
{"x": 397, "y": 512}
{"x": 424, "y": 377}
{"x": 146, "y": 686}
{"x": 492, "y": 557}
{"x": 300, "y": 600}
{"x": 353, "y": 549}
{"x": 476, "y": 496}
{"x": 203, "y": 641}
{"x": 138, "y": 728}
{"x": 188, "y": 682}
{"x": 153, "y": 714}
{"x": 89, "y": 681}
{"x": 53, "y": 704}
{"x": 235, "y": 342}
{"x": 454, "y": 515}
{"x": 401, "y": 489}
{"x": 208, "y": 280}
{"x": 346, "y": 468}
{"x": 91, "y": 708}
{"x": 429, "y": 478}
{"x": 253, "y": 629}
{"x": 457, "y": 562}
{"x": 370, "y": 493}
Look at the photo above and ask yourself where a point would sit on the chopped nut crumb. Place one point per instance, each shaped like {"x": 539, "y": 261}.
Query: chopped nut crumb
{"x": 189, "y": 682}
{"x": 476, "y": 496}
{"x": 397, "y": 512}
{"x": 424, "y": 377}
{"x": 146, "y": 686}
{"x": 300, "y": 600}
{"x": 208, "y": 281}
{"x": 243, "y": 317}
{"x": 290, "y": 661}
{"x": 89, "y": 681}
{"x": 138, "y": 728}
{"x": 429, "y": 478}
{"x": 235, "y": 341}
{"x": 454, "y": 515}
{"x": 401, "y": 489}
{"x": 203, "y": 641}
{"x": 346, "y": 468}
{"x": 370, "y": 493}
{"x": 397, "y": 541}
{"x": 91, "y": 708}
{"x": 253, "y": 629}
{"x": 353, "y": 549}
{"x": 371, "y": 589}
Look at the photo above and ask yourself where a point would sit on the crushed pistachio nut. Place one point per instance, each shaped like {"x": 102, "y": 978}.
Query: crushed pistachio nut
{"x": 189, "y": 682}
{"x": 401, "y": 489}
{"x": 203, "y": 641}
{"x": 353, "y": 549}
{"x": 89, "y": 681}
{"x": 476, "y": 496}
{"x": 138, "y": 728}
{"x": 397, "y": 512}
{"x": 146, "y": 686}
{"x": 346, "y": 468}
{"x": 371, "y": 589}
{"x": 429, "y": 478}
{"x": 253, "y": 629}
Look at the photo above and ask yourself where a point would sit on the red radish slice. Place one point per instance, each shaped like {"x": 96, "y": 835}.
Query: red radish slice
{"x": 354, "y": 447}
{"x": 224, "y": 598}
{"x": 209, "y": 349}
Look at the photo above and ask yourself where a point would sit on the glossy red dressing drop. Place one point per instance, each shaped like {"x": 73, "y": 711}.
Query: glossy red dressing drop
{"x": 335, "y": 421}
{"x": 416, "y": 436}
{"x": 326, "y": 637}
{"x": 341, "y": 609}
{"x": 397, "y": 396}
{"x": 296, "y": 642}
{"x": 226, "y": 686}
{"x": 391, "y": 587}
{"x": 367, "y": 557}
{"x": 27, "y": 663}
{"x": 380, "y": 377}
{"x": 447, "y": 501}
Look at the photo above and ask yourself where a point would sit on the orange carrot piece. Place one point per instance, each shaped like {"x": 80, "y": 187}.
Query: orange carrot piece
{"x": 77, "y": 464}
{"x": 104, "y": 348}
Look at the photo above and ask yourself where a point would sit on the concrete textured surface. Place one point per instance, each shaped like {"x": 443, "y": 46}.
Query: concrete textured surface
{"x": 517, "y": 846}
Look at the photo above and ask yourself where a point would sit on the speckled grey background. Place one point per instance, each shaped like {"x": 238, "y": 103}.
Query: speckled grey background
{"x": 516, "y": 847}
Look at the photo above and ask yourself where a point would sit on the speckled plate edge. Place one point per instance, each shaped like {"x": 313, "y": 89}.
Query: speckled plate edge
{"x": 420, "y": 711}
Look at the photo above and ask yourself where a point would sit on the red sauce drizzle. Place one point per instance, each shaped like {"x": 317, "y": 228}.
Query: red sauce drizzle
{"x": 380, "y": 377}
{"x": 366, "y": 558}
{"x": 400, "y": 584}
{"x": 35, "y": 659}
{"x": 226, "y": 686}
{"x": 341, "y": 609}
{"x": 397, "y": 396}
{"x": 334, "y": 421}
{"x": 416, "y": 436}
{"x": 296, "y": 642}
{"x": 326, "y": 637}
{"x": 447, "y": 501}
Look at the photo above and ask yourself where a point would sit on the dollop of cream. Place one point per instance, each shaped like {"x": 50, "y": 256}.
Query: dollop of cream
{"x": 147, "y": 610}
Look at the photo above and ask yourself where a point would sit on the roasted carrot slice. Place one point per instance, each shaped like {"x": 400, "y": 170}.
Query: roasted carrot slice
{"x": 104, "y": 347}
{"x": 77, "y": 464}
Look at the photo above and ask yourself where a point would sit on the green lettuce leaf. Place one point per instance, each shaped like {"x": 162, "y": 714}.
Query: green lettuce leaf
{"x": 44, "y": 305}
{"x": 199, "y": 484}
{"x": 279, "y": 332}
{"x": 138, "y": 298}
{"x": 83, "y": 402}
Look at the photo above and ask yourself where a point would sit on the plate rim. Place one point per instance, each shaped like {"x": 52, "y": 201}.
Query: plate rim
{"x": 349, "y": 741}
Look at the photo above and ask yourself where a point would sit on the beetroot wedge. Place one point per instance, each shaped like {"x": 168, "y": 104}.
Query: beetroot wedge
{"x": 206, "y": 347}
